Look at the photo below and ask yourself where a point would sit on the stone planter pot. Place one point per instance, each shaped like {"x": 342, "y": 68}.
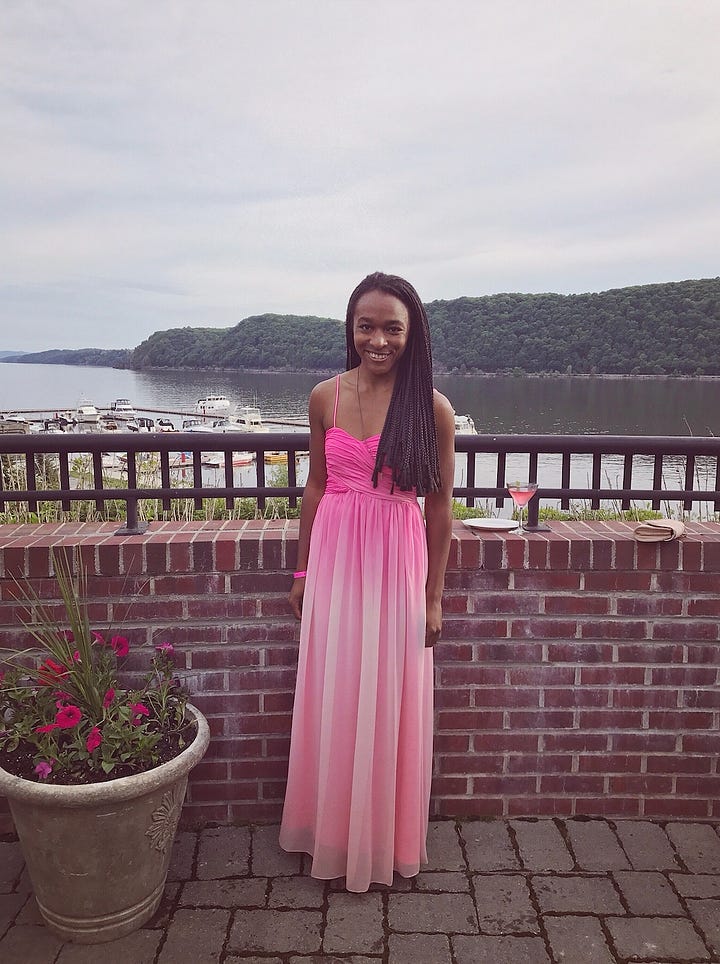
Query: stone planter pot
{"x": 98, "y": 855}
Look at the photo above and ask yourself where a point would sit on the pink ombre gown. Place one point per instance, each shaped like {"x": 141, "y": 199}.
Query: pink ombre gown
{"x": 361, "y": 750}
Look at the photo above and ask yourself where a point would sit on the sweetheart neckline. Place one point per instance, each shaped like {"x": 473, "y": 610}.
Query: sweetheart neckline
{"x": 362, "y": 441}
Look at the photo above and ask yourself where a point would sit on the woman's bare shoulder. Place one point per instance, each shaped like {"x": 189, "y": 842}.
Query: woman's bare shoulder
{"x": 441, "y": 405}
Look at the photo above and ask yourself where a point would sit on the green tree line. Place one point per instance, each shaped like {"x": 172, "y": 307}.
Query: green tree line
{"x": 661, "y": 329}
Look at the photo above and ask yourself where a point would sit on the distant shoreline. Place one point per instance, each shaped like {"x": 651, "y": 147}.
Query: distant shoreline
{"x": 331, "y": 371}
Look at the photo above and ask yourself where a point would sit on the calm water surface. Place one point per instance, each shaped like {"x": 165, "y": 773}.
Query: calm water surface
{"x": 498, "y": 404}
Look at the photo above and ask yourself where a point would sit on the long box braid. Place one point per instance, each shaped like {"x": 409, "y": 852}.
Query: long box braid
{"x": 408, "y": 443}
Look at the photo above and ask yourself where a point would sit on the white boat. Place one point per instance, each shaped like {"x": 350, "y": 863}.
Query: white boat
{"x": 195, "y": 425}
{"x": 213, "y": 405}
{"x": 247, "y": 418}
{"x": 86, "y": 412}
{"x": 122, "y": 409}
{"x": 13, "y": 423}
{"x": 464, "y": 425}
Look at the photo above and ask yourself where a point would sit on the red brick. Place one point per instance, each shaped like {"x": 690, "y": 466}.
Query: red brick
{"x": 614, "y": 629}
{"x": 225, "y": 658}
{"x": 467, "y": 807}
{"x": 508, "y": 652}
{"x": 669, "y": 556}
{"x": 644, "y": 742}
{"x": 466, "y": 763}
{"x": 701, "y": 654}
{"x": 506, "y": 741}
{"x": 701, "y": 699}
{"x": 579, "y": 651}
{"x": 550, "y": 581}
{"x": 539, "y": 763}
{"x": 668, "y": 807}
{"x": 507, "y": 602}
{"x": 580, "y": 742}
{"x": 540, "y": 628}
{"x": 469, "y": 720}
{"x": 580, "y": 604}
{"x": 648, "y": 606}
{"x": 543, "y": 675}
{"x": 571, "y": 783}
{"x": 678, "y": 763}
{"x": 704, "y": 607}
{"x": 448, "y": 652}
{"x": 679, "y": 720}
{"x": 684, "y": 629}
{"x": 576, "y": 696}
{"x": 452, "y": 698}
{"x": 640, "y": 783}
{"x": 610, "y": 763}
{"x": 507, "y": 786}
{"x": 541, "y": 719}
{"x": 558, "y": 553}
{"x": 507, "y": 697}
{"x": 470, "y": 674}
{"x": 701, "y": 743}
{"x": 449, "y": 786}
{"x": 644, "y": 697}
{"x": 711, "y": 556}
{"x": 540, "y": 806}
{"x": 607, "y": 806}
{"x": 684, "y": 675}
{"x": 604, "y": 675}
{"x": 649, "y": 652}
{"x": 451, "y": 743}
{"x": 618, "y": 581}
{"x": 465, "y": 629}
{"x": 610, "y": 719}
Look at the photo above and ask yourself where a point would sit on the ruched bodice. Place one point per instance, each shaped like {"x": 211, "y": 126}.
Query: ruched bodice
{"x": 350, "y": 463}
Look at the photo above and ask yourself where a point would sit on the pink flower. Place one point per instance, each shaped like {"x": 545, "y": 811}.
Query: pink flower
{"x": 98, "y": 638}
{"x": 94, "y": 739}
{"x": 47, "y": 728}
{"x": 43, "y": 770}
{"x": 120, "y": 645}
{"x": 76, "y": 656}
{"x": 68, "y": 716}
{"x": 167, "y": 648}
{"x": 108, "y": 698}
{"x": 139, "y": 710}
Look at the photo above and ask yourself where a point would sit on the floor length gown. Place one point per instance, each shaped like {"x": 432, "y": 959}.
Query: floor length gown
{"x": 361, "y": 749}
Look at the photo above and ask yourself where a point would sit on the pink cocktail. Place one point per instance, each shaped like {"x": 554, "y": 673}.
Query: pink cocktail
{"x": 521, "y": 493}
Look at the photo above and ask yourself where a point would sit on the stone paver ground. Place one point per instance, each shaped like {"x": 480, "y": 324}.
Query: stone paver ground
{"x": 570, "y": 891}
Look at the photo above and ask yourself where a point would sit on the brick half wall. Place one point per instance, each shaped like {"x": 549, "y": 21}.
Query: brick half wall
{"x": 577, "y": 672}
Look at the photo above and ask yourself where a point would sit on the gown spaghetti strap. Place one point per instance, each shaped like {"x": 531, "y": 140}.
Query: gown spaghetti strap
{"x": 361, "y": 747}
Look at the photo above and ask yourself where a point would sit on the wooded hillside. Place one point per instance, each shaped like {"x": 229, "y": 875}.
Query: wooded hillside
{"x": 671, "y": 329}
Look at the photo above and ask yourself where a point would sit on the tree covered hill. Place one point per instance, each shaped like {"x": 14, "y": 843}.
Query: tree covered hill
{"x": 671, "y": 329}
{"x": 98, "y": 357}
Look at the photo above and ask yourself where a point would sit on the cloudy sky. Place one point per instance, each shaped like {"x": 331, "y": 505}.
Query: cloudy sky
{"x": 178, "y": 162}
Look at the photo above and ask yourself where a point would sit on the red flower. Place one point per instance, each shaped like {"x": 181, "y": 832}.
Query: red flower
{"x": 139, "y": 710}
{"x": 120, "y": 645}
{"x": 46, "y": 729}
{"x": 50, "y": 672}
{"x": 98, "y": 638}
{"x": 108, "y": 698}
{"x": 167, "y": 648}
{"x": 94, "y": 739}
{"x": 68, "y": 716}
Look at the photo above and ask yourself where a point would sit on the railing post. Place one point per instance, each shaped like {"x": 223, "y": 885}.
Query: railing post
{"x": 133, "y": 526}
{"x": 533, "y": 523}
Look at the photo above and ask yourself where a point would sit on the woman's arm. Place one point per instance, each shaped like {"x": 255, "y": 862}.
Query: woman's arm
{"x": 438, "y": 519}
{"x": 313, "y": 492}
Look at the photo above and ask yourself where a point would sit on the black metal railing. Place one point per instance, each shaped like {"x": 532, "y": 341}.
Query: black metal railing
{"x": 528, "y": 455}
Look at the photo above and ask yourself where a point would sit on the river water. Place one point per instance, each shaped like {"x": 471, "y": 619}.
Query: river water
{"x": 498, "y": 405}
{"x": 563, "y": 405}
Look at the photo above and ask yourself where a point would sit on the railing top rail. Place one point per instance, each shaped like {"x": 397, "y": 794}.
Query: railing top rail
{"x": 14, "y": 443}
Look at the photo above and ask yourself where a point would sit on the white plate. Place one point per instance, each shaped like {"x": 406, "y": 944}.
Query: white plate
{"x": 491, "y": 525}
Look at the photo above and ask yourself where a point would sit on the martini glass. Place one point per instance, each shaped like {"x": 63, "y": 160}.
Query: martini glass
{"x": 521, "y": 493}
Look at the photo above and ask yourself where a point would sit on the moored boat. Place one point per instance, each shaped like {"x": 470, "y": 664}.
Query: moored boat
{"x": 86, "y": 413}
{"x": 213, "y": 405}
{"x": 122, "y": 409}
{"x": 464, "y": 425}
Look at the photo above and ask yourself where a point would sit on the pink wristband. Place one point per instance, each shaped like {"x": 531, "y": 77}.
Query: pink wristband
{"x": 299, "y": 575}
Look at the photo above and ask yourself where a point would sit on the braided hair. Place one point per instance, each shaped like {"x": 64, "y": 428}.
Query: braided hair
{"x": 408, "y": 443}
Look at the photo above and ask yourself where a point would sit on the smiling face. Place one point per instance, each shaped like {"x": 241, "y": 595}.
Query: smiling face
{"x": 381, "y": 327}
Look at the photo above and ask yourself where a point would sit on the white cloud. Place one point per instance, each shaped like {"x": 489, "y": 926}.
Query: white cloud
{"x": 178, "y": 163}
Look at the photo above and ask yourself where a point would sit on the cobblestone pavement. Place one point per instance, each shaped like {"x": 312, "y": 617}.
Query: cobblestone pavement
{"x": 494, "y": 892}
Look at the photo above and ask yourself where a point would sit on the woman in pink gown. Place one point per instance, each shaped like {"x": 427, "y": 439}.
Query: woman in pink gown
{"x": 368, "y": 591}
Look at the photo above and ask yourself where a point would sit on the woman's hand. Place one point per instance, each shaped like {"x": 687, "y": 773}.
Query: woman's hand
{"x": 433, "y": 623}
{"x": 296, "y": 596}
